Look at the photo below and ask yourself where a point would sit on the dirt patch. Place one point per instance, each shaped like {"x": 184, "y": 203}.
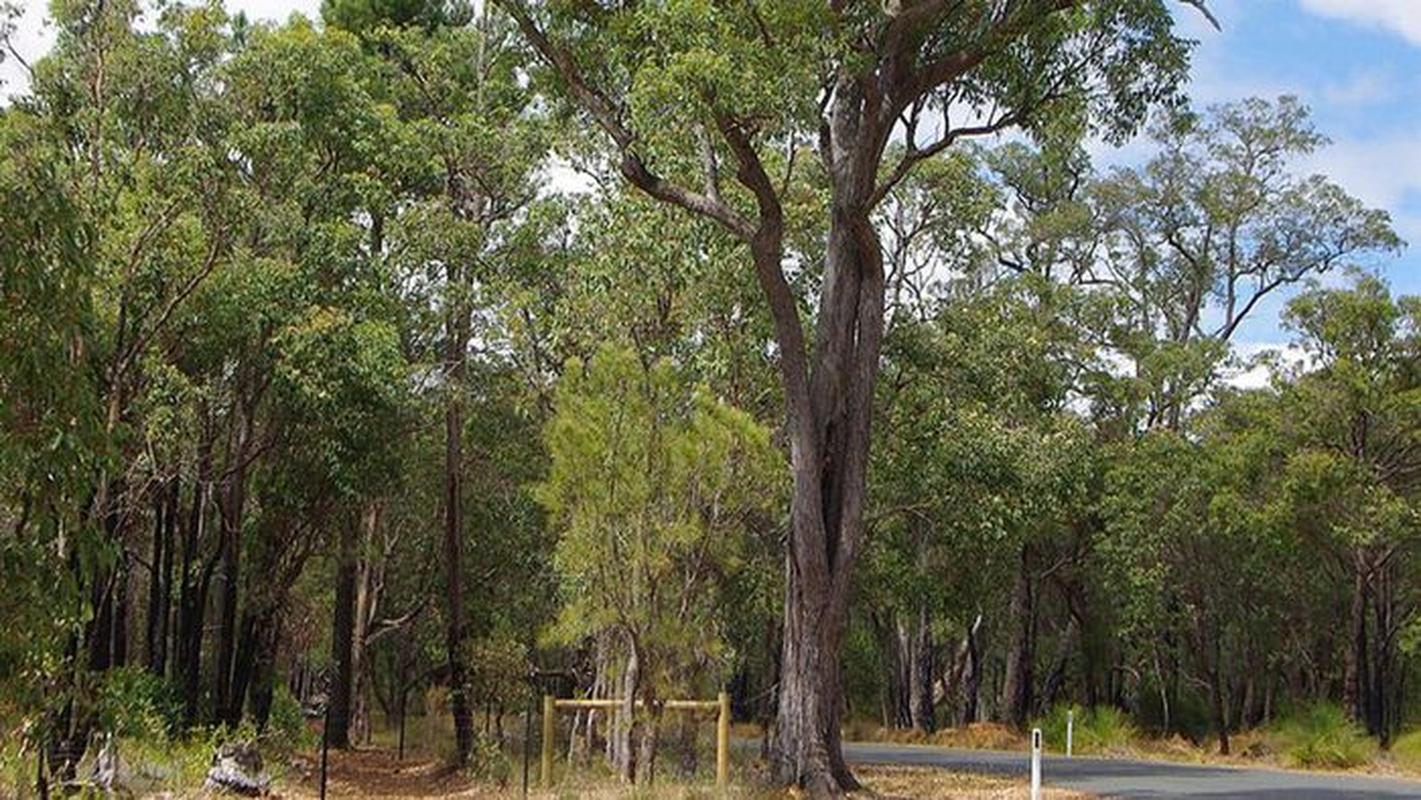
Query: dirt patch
{"x": 379, "y": 773}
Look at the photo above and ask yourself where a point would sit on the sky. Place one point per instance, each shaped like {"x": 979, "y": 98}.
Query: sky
{"x": 1355, "y": 63}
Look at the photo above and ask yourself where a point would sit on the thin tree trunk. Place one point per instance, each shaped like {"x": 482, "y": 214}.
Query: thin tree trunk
{"x": 919, "y": 673}
{"x": 160, "y": 579}
{"x": 1056, "y": 677}
{"x": 456, "y": 332}
{"x": 192, "y": 596}
{"x": 233, "y": 507}
{"x": 972, "y": 686}
{"x": 1355, "y": 668}
{"x": 342, "y": 641}
{"x": 624, "y": 759}
{"x": 366, "y": 602}
{"x": 264, "y": 669}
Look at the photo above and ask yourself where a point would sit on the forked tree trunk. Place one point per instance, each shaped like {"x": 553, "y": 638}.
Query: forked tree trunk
{"x": 829, "y": 422}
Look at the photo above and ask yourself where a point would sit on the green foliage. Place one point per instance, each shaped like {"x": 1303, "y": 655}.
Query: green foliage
{"x": 133, "y": 703}
{"x": 1321, "y": 736}
{"x": 1102, "y": 730}
{"x": 650, "y": 487}
{"x": 364, "y": 16}
{"x": 1406, "y": 750}
{"x": 287, "y": 729}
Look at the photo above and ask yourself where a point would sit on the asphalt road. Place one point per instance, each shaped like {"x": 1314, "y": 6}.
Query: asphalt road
{"x": 1141, "y": 779}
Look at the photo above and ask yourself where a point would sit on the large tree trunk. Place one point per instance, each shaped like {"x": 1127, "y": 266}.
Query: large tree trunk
{"x": 1021, "y": 655}
{"x": 829, "y": 424}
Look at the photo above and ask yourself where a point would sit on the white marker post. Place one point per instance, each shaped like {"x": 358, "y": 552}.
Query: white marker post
{"x": 1035, "y": 764}
{"x": 1070, "y": 730}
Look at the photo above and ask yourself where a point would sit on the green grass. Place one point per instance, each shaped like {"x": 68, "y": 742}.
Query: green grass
{"x": 1321, "y": 736}
{"x": 1406, "y": 750}
{"x": 1102, "y": 729}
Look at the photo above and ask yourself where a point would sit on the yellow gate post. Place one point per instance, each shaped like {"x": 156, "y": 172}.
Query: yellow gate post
{"x": 549, "y": 711}
{"x": 722, "y": 742}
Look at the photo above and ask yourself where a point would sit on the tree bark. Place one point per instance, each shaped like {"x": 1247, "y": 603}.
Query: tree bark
{"x": 342, "y": 639}
{"x": 233, "y": 508}
{"x": 623, "y": 756}
{"x": 1017, "y": 686}
{"x": 916, "y": 657}
{"x": 1355, "y": 669}
{"x": 264, "y": 669}
{"x": 456, "y": 334}
{"x": 165, "y": 511}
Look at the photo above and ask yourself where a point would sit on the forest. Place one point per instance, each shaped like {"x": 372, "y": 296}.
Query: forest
{"x": 423, "y": 359}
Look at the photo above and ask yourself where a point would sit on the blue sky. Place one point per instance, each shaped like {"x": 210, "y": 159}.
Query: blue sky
{"x": 1356, "y": 63}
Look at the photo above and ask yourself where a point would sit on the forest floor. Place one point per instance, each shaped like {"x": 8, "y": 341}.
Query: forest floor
{"x": 379, "y": 773}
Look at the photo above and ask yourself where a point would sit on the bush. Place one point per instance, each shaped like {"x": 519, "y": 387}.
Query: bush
{"x": 286, "y": 728}
{"x": 134, "y": 703}
{"x": 1321, "y": 736}
{"x": 1102, "y": 729}
{"x": 1406, "y": 750}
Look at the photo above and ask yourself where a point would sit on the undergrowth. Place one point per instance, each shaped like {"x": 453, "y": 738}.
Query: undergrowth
{"x": 1321, "y": 736}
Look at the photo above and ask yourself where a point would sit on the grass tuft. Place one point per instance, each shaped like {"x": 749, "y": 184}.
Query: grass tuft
{"x": 1098, "y": 730}
{"x": 1321, "y": 736}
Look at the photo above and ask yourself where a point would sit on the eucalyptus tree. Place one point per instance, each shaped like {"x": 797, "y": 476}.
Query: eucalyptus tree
{"x": 981, "y": 458}
{"x": 1216, "y": 222}
{"x": 1356, "y": 421}
{"x": 51, "y": 436}
{"x": 1198, "y": 549}
{"x": 475, "y": 145}
{"x": 705, "y": 107}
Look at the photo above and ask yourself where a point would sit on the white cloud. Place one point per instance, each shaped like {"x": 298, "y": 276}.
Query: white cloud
{"x": 1257, "y": 362}
{"x": 1398, "y": 16}
{"x": 1360, "y": 89}
{"x": 1382, "y": 171}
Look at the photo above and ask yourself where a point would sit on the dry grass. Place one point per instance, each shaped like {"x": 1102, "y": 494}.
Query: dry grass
{"x": 378, "y": 774}
{"x": 924, "y": 782}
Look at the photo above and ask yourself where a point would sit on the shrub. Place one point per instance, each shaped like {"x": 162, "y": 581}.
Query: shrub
{"x": 1406, "y": 750}
{"x": 134, "y": 703}
{"x": 1102, "y": 729}
{"x": 1320, "y": 735}
{"x": 286, "y": 727}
